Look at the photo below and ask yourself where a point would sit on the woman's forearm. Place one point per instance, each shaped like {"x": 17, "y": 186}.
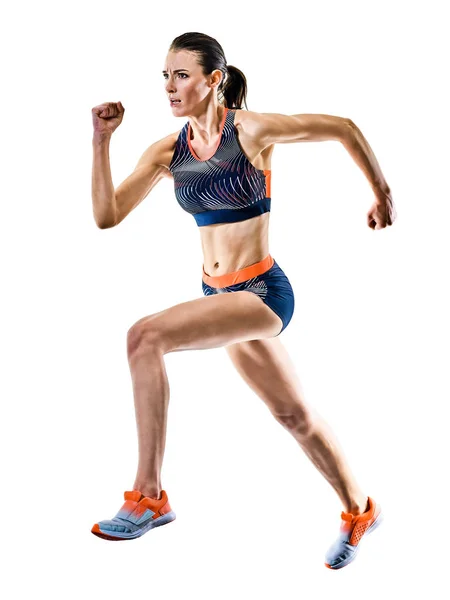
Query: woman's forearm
{"x": 358, "y": 147}
{"x": 103, "y": 194}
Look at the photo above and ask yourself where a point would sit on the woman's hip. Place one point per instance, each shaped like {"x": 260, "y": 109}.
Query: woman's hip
{"x": 266, "y": 279}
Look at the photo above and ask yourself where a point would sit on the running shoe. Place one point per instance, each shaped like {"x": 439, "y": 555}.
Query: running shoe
{"x": 353, "y": 529}
{"x": 138, "y": 515}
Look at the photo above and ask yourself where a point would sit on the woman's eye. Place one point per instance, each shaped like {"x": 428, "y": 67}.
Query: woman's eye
{"x": 184, "y": 75}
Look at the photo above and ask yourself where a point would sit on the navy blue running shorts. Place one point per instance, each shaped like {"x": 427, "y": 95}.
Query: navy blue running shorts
{"x": 265, "y": 278}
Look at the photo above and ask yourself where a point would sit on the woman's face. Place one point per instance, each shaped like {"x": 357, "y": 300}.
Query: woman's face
{"x": 185, "y": 81}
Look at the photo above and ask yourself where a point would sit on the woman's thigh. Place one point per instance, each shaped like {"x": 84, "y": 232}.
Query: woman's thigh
{"x": 209, "y": 322}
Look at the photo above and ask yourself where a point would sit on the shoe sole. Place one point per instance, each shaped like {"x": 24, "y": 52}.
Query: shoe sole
{"x": 167, "y": 518}
{"x": 348, "y": 560}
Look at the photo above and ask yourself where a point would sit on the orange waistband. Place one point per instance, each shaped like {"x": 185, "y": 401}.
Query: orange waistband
{"x": 239, "y": 276}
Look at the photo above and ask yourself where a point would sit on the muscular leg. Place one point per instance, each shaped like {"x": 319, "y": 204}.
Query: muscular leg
{"x": 267, "y": 368}
{"x": 208, "y": 322}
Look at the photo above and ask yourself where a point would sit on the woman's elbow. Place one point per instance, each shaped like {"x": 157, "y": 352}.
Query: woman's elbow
{"x": 105, "y": 224}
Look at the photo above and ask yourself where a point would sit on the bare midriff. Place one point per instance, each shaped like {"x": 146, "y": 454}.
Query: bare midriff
{"x": 229, "y": 247}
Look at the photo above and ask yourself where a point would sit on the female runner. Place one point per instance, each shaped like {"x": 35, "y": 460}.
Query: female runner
{"x": 220, "y": 162}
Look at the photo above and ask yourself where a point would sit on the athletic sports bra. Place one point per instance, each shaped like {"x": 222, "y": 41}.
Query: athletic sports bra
{"x": 224, "y": 188}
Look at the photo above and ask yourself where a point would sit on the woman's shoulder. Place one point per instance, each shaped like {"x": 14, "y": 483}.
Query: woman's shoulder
{"x": 245, "y": 117}
{"x": 250, "y": 125}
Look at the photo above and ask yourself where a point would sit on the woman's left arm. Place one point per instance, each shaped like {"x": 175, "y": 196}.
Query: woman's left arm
{"x": 273, "y": 128}
{"x": 383, "y": 211}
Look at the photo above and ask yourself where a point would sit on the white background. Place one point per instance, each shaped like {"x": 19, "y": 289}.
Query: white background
{"x": 369, "y": 336}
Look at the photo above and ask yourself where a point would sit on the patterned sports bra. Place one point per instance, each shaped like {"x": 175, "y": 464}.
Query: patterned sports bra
{"x": 224, "y": 188}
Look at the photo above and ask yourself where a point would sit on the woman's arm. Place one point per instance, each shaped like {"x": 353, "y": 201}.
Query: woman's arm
{"x": 358, "y": 148}
{"x": 103, "y": 195}
{"x": 273, "y": 128}
{"x": 112, "y": 206}
{"x": 383, "y": 211}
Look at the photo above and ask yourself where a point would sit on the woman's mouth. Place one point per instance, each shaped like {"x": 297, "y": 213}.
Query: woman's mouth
{"x": 174, "y": 102}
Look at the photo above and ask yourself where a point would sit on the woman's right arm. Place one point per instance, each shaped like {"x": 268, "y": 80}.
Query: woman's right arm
{"x": 111, "y": 206}
{"x": 103, "y": 194}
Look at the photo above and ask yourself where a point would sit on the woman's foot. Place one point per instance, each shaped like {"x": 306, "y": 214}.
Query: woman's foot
{"x": 138, "y": 515}
{"x": 353, "y": 529}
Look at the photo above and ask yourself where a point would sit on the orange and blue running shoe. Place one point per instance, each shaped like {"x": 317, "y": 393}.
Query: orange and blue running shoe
{"x": 353, "y": 529}
{"x": 138, "y": 515}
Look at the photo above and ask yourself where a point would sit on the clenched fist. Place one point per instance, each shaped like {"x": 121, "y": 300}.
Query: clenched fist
{"x": 107, "y": 117}
{"x": 382, "y": 212}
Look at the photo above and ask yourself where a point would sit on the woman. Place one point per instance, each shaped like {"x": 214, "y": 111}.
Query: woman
{"x": 220, "y": 164}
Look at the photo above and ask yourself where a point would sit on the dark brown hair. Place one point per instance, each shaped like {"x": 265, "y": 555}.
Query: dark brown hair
{"x": 232, "y": 91}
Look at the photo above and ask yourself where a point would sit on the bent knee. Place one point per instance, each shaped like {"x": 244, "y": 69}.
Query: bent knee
{"x": 143, "y": 334}
{"x": 300, "y": 422}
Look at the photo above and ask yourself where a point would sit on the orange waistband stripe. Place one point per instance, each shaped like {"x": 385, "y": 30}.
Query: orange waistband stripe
{"x": 239, "y": 276}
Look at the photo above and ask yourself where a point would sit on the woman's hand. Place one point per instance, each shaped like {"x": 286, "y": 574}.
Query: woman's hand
{"x": 107, "y": 117}
{"x": 382, "y": 212}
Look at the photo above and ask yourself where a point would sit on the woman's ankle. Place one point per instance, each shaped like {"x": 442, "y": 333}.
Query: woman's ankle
{"x": 149, "y": 491}
{"x": 358, "y": 508}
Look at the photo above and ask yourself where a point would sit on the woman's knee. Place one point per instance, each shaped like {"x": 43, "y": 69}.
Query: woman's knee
{"x": 299, "y": 421}
{"x": 142, "y": 335}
